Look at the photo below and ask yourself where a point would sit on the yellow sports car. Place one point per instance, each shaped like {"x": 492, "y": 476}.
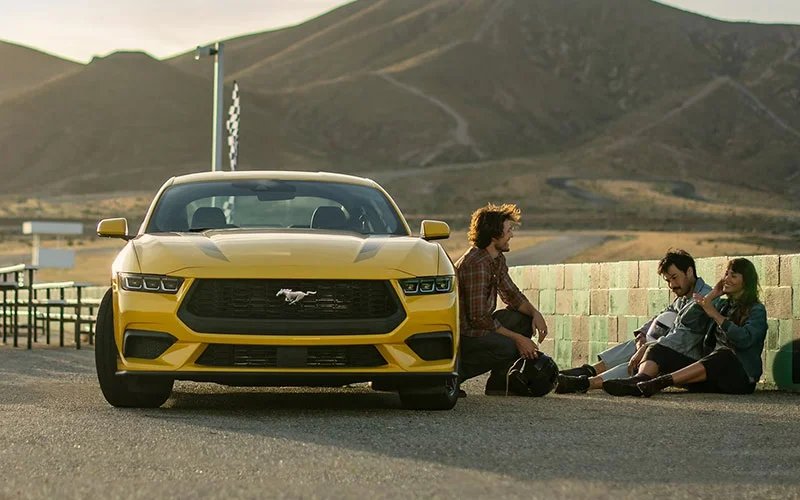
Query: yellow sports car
{"x": 278, "y": 279}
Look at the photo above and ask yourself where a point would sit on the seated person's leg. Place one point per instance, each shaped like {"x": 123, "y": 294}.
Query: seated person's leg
{"x": 515, "y": 321}
{"x": 482, "y": 354}
{"x": 657, "y": 359}
{"x": 567, "y": 384}
{"x": 720, "y": 371}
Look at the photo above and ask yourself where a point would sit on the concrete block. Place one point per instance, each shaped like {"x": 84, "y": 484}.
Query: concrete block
{"x": 596, "y": 348}
{"x": 598, "y": 328}
{"x": 598, "y": 302}
{"x": 786, "y": 332}
{"x": 562, "y": 353}
{"x": 580, "y": 328}
{"x": 768, "y": 269}
{"x": 551, "y": 277}
{"x": 795, "y": 301}
{"x": 769, "y": 366}
{"x": 580, "y": 302}
{"x": 563, "y": 328}
{"x": 648, "y": 275}
{"x": 626, "y": 325}
{"x": 773, "y": 335}
{"x": 612, "y": 328}
{"x": 572, "y": 277}
{"x": 618, "y": 301}
{"x": 550, "y": 319}
{"x": 547, "y": 301}
{"x": 778, "y": 301}
{"x": 657, "y": 300}
{"x": 580, "y": 353}
{"x": 796, "y": 329}
{"x": 586, "y": 276}
{"x": 618, "y": 274}
{"x": 577, "y": 276}
{"x": 547, "y": 346}
{"x": 711, "y": 269}
{"x": 563, "y": 301}
{"x": 789, "y": 270}
{"x": 599, "y": 275}
{"x": 533, "y": 296}
{"x": 516, "y": 274}
{"x": 637, "y": 301}
{"x": 531, "y": 277}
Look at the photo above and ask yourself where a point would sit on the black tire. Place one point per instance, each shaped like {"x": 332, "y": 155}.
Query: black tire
{"x": 442, "y": 396}
{"x": 119, "y": 391}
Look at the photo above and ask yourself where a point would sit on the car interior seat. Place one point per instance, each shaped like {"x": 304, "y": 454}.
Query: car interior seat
{"x": 328, "y": 218}
{"x": 209, "y": 218}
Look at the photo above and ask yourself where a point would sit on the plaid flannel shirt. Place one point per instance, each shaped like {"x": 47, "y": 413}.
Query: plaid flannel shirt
{"x": 480, "y": 279}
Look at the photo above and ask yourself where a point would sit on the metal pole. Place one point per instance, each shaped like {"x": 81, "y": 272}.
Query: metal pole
{"x": 216, "y": 145}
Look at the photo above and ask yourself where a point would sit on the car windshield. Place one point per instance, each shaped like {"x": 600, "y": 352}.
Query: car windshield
{"x": 283, "y": 204}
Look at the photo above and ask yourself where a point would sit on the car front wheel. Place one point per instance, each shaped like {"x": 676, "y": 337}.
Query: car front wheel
{"x": 121, "y": 392}
{"x": 439, "y": 396}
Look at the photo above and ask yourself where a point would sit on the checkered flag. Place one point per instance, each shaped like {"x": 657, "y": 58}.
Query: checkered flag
{"x": 233, "y": 126}
{"x": 233, "y": 142}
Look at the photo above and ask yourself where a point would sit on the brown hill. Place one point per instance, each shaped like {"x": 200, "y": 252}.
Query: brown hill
{"x": 123, "y": 122}
{"x": 23, "y": 68}
{"x": 611, "y": 89}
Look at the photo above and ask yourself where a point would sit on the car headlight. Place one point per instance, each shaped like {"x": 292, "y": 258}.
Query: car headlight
{"x": 427, "y": 285}
{"x": 150, "y": 283}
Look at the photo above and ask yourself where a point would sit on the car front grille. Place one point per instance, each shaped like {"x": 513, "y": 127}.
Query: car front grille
{"x": 256, "y": 356}
{"x": 296, "y": 307}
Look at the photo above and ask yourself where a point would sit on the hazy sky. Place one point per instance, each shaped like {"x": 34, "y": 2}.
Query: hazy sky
{"x": 79, "y": 29}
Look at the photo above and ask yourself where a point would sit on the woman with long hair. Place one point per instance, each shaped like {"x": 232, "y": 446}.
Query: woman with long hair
{"x": 734, "y": 366}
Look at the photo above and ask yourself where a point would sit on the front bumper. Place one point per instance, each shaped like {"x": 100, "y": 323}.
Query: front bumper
{"x": 183, "y": 359}
{"x": 296, "y": 379}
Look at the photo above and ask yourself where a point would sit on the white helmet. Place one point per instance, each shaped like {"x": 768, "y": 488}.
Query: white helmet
{"x": 661, "y": 325}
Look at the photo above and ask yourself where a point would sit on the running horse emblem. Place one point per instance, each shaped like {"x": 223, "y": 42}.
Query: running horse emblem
{"x": 293, "y": 297}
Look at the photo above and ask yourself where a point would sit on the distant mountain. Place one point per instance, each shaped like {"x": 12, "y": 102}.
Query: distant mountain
{"x": 609, "y": 88}
{"x": 23, "y": 68}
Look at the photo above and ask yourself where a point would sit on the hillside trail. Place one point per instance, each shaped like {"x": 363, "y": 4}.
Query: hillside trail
{"x": 715, "y": 84}
{"x": 461, "y": 134}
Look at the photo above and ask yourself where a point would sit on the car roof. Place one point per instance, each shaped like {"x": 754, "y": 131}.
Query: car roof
{"x": 282, "y": 175}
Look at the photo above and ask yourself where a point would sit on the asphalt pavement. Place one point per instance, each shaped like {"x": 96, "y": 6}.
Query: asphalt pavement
{"x": 60, "y": 439}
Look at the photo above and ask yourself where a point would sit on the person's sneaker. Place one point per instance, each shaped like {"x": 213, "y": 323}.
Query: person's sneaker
{"x": 570, "y": 385}
{"x": 623, "y": 387}
{"x": 462, "y": 393}
{"x": 587, "y": 370}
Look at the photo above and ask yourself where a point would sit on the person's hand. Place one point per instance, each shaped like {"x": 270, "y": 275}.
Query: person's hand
{"x": 527, "y": 347}
{"x": 539, "y": 325}
{"x": 717, "y": 290}
{"x": 706, "y": 303}
{"x": 636, "y": 360}
{"x": 640, "y": 339}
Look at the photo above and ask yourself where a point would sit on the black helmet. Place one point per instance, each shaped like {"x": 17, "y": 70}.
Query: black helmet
{"x": 533, "y": 377}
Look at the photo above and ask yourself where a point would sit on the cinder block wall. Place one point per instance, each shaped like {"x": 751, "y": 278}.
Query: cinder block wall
{"x": 590, "y": 307}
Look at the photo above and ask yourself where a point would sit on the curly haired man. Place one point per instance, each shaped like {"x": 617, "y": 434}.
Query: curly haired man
{"x": 491, "y": 340}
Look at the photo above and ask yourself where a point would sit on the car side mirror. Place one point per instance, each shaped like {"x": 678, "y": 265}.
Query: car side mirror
{"x": 434, "y": 230}
{"x": 113, "y": 228}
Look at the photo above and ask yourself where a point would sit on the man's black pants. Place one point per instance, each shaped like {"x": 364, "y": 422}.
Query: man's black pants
{"x": 493, "y": 352}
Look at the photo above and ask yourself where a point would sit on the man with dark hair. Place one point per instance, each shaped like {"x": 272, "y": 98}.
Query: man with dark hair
{"x": 678, "y": 269}
{"x": 680, "y": 347}
{"x": 492, "y": 340}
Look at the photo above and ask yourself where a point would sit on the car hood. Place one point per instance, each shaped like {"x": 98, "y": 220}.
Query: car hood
{"x": 296, "y": 254}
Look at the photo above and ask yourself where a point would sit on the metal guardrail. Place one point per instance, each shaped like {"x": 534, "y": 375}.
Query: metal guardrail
{"x": 43, "y": 304}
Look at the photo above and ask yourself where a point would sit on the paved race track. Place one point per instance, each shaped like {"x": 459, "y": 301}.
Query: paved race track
{"x": 60, "y": 439}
